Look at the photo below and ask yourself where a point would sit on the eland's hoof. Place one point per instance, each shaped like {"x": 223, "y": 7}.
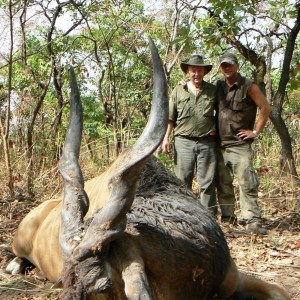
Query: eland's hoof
{"x": 16, "y": 266}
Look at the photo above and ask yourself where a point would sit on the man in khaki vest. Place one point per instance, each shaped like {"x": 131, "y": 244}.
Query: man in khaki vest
{"x": 192, "y": 117}
{"x": 238, "y": 99}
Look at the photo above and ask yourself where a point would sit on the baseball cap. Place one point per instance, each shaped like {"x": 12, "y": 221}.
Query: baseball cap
{"x": 229, "y": 58}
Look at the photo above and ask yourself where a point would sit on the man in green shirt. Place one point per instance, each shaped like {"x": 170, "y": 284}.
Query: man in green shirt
{"x": 192, "y": 117}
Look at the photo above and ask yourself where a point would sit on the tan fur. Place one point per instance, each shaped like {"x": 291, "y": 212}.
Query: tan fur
{"x": 261, "y": 290}
{"x": 44, "y": 220}
{"x": 230, "y": 283}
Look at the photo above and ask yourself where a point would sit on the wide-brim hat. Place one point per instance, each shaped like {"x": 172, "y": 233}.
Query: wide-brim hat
{"x": 195, "y": 60}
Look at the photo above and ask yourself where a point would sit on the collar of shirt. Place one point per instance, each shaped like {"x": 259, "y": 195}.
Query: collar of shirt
{"x": 203, "y": 86}
{"x": 237, "y": 83}
{"x": 193, "y": 89}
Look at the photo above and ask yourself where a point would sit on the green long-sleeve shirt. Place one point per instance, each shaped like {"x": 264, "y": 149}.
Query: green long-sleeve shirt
{"x": 193, "y": 116}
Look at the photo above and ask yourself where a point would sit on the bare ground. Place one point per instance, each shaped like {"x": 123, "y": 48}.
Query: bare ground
{"x": 274, "y": 258}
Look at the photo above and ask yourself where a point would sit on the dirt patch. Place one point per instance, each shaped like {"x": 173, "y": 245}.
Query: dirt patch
{"x": 274, "y": 258}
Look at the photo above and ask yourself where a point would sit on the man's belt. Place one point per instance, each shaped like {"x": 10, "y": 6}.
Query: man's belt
{"x": 197, "y": 139}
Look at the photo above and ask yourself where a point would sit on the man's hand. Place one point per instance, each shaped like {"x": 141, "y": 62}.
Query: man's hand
{"x": 247, "y": 134}
{"x": 183, "y": 81}
{"x": 165, "y": 146}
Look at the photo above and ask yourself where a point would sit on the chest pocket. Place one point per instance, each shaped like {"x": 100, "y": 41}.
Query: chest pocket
{"x": 184, "y": 108}
{"x": 208, "y": 105}
{"x": 237, "y": 100}
{"x": 236, "y": 105}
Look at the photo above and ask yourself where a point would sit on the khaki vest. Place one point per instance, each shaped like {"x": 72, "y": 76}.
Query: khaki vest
{"x": 236, "y": 110}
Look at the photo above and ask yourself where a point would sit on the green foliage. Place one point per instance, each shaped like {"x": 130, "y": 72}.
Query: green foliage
{"x": 292, "y": 103}
{"x": 110, "y": 41}
{"x": 167, "y": 160}
{"x": 93, "y": 118}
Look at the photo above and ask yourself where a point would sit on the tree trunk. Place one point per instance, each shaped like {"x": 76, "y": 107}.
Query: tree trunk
{"x": 30, "y": 174}
{"x": 6, "y": 125}
{"x": 287, "y": 162}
